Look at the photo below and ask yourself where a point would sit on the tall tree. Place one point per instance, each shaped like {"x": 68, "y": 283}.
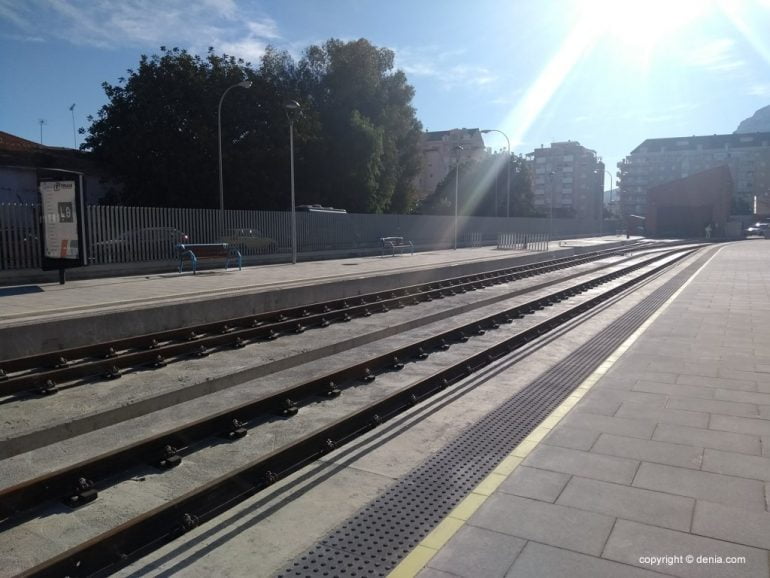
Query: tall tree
{"x": 158, "y": 133}
{"x": 367, "y": 156}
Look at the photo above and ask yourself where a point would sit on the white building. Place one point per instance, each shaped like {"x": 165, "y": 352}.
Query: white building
{"x": 569, "y": 178}
{"x": 440, "y": 155}
{"x": 661, "y": 160}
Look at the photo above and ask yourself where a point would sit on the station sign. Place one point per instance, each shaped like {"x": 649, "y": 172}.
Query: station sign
{"x": 62, "y": 220}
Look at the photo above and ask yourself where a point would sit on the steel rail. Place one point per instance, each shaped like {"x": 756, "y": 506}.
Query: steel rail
{"x": 139, "y": 536}
{"x": 157, "y": 349}
{"x": 164, "y": 448}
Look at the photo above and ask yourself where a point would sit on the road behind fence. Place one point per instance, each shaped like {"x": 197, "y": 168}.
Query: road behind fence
{"x": 141, "y": 234}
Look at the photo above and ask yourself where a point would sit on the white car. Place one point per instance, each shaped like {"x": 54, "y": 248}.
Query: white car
{"x": 759, "y": 229}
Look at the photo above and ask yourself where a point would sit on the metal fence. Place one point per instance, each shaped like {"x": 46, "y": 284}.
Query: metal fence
{"x": 523, "y": 241}
{"x": 135, "y": 234}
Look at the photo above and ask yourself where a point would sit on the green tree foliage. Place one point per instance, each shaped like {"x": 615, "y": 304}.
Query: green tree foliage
{"x": 158, "y": 133}
{"x": 356, "y": 141}
{"x": 482, "y": 189}
{"x": 366, "y": 156}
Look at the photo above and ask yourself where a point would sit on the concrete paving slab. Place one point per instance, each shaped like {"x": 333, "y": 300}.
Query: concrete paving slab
{"x": 429, "y": 572}
{"x": 543, "y": 522}
{"x": 759, "y": 398}
{"x": 720, "y": 382}
{"x": 607, "y": 424}
{"x": 539, "y": 560}
{"x": 729, "y": 490}
{"x": 675, "y": 389}
{"x": 570, "y": 437}
{"x": 598, "y": 406}
{"x": 664, "y": 415}
{"x": 654, "y": 508}
{"x": 719, "y": 407}
{"x": 649, "y": 451}
{"x": 732, "y": 524}
{"x": 754, "y": 467}
{"x": 743, "y": 425}
{"x": 704, "y": 438}
{"x": 611, "y": 394}
{"x": 682, "y": 554}
{"x": 588, "y": 465}
{"x": 535, "y": 484}
{"x": 476, "y": 552}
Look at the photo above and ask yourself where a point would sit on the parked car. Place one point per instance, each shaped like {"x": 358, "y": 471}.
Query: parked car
{"x": 251, "y": 239}
{"x": 148, "y": 244}
{"x": 758, "y": 229}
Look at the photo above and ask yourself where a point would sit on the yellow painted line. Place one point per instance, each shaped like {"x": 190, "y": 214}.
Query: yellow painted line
{"x": 537, "y": 434}
{"x": 468, "y": 506}
{"x": 522, "y": 450}
{"x": 507, "y": 466}
{"x": 442, "y": 533}
{"x": 414, "y": 562}
{"x": 489, "y": 484}
{"x": 418, "y": 558}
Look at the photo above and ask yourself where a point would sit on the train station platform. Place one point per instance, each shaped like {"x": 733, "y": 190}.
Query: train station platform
{"x": 49, "y": 316}
{"x": 659, "y": 464}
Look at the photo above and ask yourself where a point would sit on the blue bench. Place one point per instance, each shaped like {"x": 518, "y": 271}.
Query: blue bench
{"x": 207, "y": 251}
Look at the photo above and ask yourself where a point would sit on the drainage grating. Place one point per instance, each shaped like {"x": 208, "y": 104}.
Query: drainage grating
{"x": 380, "y": 535}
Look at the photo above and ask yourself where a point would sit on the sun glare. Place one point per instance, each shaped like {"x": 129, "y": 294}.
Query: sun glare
{"x": 642, "y": 24}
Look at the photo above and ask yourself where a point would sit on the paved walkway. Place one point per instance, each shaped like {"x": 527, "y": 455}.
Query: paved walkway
{"x": 44, "y": 301}
{"x": 662, "y": 467}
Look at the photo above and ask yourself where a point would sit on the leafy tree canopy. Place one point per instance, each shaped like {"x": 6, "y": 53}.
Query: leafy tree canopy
{"x": 356, "y": 141}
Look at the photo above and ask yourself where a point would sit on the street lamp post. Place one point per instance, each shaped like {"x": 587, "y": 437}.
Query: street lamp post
{"x": 291, "y": 107}
{"x": 74, "y": 133}
{"x": 550, "y": 210}
{"x": 244, "y": 84}
{"x": 508, "y": 186}
{"x": 459, "y": 149}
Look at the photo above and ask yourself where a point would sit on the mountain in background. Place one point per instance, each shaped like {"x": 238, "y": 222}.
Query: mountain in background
{"x": 758, "y": 122}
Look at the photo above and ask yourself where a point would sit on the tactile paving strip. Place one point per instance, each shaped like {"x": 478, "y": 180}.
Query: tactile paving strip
{"x": 374, "y": 541}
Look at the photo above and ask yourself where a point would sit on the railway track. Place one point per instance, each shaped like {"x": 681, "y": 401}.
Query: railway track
{"x": 48, "y": 372}
{"x": 487, "y": 333}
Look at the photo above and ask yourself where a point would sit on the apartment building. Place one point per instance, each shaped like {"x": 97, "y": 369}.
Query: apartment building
{"x": 440, "y": 154}
{"x": 662, "y": 160}
{"x": 569, "y": 178}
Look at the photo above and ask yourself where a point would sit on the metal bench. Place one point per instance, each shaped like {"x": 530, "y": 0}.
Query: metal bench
{"x": 207, "y": 251}
{"x": 393, "y": 244}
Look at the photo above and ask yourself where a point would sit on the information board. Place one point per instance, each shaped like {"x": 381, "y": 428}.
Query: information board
{"x": 60, "y": 220}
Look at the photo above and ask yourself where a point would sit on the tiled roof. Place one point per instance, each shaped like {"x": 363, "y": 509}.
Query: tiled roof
{"x": 9, "y": 142}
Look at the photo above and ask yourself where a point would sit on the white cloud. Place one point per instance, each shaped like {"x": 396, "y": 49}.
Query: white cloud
{"x": 760, "y": 89}
{"x": 444, "y": 66}
{"x": 192, "y": 24}
{"x": 718, "y": 56}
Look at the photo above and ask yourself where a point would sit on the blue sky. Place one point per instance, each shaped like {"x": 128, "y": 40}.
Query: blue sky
{"x": 607, "y": 73}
